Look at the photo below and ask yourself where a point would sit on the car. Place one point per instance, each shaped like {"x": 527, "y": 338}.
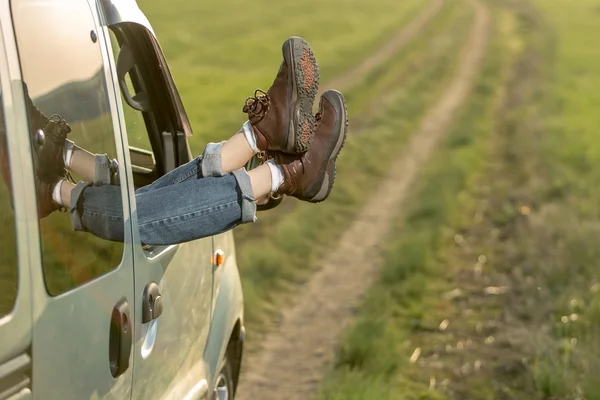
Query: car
{"x": 82, "y": 317}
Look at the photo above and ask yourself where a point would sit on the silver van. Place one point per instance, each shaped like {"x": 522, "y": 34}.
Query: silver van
{"x": 81, "y": 317}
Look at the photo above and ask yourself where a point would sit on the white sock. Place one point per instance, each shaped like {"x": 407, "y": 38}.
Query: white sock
{"x": 68, "y": 152}
{"x": 56, "y": 193}
{"x": 250, "y": 136}
{"x": 276, "y": 175}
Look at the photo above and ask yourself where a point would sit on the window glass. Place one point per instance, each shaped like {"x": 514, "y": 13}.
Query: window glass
{"x": 137, "y": 133}
{"x": 63, "y": 74}
{"x": 8, "y": 244}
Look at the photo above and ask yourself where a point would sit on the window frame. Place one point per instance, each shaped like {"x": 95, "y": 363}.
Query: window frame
{"x": 167, "y": 112}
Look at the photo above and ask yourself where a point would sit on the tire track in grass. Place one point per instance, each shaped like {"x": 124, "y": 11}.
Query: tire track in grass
{"x": 384, "y": 53}
{"x": 296, "y": 356}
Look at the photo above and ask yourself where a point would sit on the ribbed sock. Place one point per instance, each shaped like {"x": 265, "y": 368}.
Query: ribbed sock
{"x": 56, "y": 192}
{"x": 250, "y": 136}
{"x": 277, "y": 176}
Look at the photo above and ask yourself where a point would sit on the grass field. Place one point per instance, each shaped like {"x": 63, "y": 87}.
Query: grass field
{"x": 491, "y": 290}
{"x": 220, "y": 52}
{"x": 289, "y": 249}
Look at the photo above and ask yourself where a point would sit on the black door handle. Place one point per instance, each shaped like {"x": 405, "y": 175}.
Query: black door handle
{"x": 119, "y": 345}
{"x": 152, "y": 305}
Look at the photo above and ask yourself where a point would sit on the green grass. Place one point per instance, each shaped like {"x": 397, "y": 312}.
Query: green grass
{"x": 513, "y": 195}
{"x": 562, "y": 236}
{"x": 373, "y": 361}
{"x": 220, "y": 52}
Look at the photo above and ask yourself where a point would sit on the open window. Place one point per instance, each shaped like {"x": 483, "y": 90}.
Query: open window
{"x": 156, "y": 122}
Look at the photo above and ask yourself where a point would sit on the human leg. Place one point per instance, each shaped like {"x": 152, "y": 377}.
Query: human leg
{"x": 97, "y": 168}
{"x": 168, "y": 215}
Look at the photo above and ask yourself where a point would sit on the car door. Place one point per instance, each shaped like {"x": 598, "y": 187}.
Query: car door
{"x": 82, "y": 286}
{"x": 169, "y": 353}
{"x": 15, "y": 285}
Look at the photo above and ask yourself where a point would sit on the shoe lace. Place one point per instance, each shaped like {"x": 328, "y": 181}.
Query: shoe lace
{"x": 56, "y": 128}
{"x": 257, "y": 105}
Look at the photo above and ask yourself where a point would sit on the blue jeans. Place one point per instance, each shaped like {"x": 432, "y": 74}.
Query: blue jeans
{"x": 193, "y": 201}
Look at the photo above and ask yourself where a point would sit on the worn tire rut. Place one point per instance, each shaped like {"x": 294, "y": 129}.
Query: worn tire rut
{"x": 390, "y": 48}
{"x": 297, "y": 355}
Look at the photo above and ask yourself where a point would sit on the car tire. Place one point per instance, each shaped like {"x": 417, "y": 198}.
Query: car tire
{"x": 224, "y": 387}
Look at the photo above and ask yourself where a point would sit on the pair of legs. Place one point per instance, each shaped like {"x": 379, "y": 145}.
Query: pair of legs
{"x": 213, "y": 193}
{"x": 234, "y": 154}
{"x": 209, "y": 195}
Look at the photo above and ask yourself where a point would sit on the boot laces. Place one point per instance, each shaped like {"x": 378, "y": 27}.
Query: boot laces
{"x": 258, "y": 104}
{"x": 56, "y": 128}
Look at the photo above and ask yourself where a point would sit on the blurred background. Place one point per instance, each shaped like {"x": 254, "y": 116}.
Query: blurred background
{"x": 469, "y": 180}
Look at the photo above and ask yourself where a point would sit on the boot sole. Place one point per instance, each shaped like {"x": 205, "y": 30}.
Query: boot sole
{"x": 337, "y": 99}
{"x": 305, "y": 84}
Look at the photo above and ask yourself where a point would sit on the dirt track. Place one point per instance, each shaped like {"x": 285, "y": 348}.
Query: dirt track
{"x": 386, "y": 51}
{"x": 296, "y": 356}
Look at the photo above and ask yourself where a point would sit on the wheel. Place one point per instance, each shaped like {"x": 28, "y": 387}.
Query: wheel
{"x": 224, "y": 389}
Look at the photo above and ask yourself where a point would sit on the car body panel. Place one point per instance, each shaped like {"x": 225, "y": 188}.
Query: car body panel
{"x": 228, "y": 302}
{"x": 69, "y": 333}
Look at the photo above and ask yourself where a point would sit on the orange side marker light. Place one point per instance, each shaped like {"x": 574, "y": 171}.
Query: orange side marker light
{"x": 218, "y": 258}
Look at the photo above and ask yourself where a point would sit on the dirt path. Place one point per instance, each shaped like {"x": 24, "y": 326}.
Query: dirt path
{"x": 386, "y": 51}
{"x": 298, "y": 354}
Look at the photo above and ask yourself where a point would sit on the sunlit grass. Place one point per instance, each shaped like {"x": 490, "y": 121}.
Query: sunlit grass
{"x": 219, "y": 52}
{"x": 375, "y": 356}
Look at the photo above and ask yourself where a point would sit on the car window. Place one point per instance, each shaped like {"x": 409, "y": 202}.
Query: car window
{"x": 63, "y": 73}
{"x": 134, "y": 120}
{"x": 8, "y": 244}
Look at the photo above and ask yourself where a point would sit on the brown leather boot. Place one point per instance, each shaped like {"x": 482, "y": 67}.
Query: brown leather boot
{"x": 282, "y": 118}
{"x": 49, "y": 147}
{"x": 311, "y": 178}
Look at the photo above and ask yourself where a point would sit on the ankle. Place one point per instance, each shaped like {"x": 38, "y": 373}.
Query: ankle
{"x": 277, "y": 176}
{"x": 57, "y": 194}
{"x": 250, "y": 136}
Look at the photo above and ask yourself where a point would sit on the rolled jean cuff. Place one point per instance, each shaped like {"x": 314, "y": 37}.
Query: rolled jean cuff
{"x": 76, "y": 204}
{"x": 104, "y": 170}
{"x": 211, "y": 160}
{"x": 248, "y": 201}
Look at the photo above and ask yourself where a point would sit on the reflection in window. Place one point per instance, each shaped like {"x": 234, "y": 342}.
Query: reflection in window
{"x": 8, "y": 244}
{"x": 63, "y": 73}
{"x": 137, "y": 133}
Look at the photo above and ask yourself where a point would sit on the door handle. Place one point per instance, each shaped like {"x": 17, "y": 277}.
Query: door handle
{"x": 119, "y": 345}
{"x": 152, "y": 305}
